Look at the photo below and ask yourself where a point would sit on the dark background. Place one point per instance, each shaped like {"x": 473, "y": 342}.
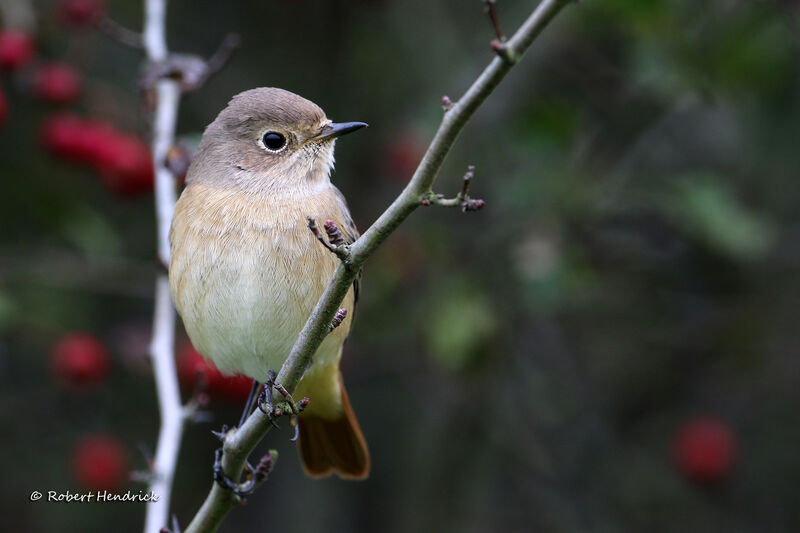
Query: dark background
{"x": 522, "y": 368}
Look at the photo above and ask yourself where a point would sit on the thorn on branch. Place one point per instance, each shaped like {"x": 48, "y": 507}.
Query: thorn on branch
{"x": 338, "y": 318}
{"x": 461, "y": 200}
{"x": 336, "y": 244}
{"x": 222, "y": 433}
{"x": 491, "y": 10}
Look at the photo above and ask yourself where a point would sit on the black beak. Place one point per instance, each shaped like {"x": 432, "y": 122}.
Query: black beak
{"x": 334, "y": 129}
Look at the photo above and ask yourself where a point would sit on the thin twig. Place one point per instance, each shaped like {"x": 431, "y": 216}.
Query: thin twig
{"x": 334, "y": 233}
{"x": 240, "y": 443}
{"x": 334, "y": 242}
{"x": 173, "y": 414}
{"x": 491, "y": 10}
{"x": 462, "y": 199}
{"x": 192, "y": 71}
{"x": 120, "y": 33}
{"x": 223, "y": 54}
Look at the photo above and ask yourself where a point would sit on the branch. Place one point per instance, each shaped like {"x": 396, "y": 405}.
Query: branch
{"x": 120, "y": 33}
{"x": 173, "y": 414}
{"x": 239, "y": 443}
{"x": 335, "y": 242}
{"x": 491, "y": 10}
{"x": 461, "y": 200}
{"x": 223, "y": 54}
{"x": 191, "y": 71}
{"x": 171, "y": 411}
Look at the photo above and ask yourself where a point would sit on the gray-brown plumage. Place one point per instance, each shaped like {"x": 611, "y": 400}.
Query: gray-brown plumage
{"x": 246, "y": 272}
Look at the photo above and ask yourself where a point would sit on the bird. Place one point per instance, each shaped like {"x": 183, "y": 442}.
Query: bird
{"x": 245, "y": 271}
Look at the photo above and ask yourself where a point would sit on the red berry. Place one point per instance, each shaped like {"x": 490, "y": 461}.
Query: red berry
{"x": 74, "y": 138}
{"x": 57, "y": 83}
{"x": 90, "y": 139}
{"x": 235, "y": 389}
{"x": 76, "y": 13}
{"x": 123, "y": 161}
{"x": 3, "y": 107}
{"x": 194, "y": 370}
{"x": 705, "y": 450}
{"x": 99, "y": 462}
{"x": 124, "y": 164}
{"x": 80, "y": 359}
{"x": 16, "y": 48}
{"x": 59, "y": 134}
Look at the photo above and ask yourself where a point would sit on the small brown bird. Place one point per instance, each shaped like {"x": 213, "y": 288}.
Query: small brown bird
{"x": 246, "y": 272}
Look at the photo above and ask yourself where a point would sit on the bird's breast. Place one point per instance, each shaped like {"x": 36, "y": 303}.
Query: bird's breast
{"x": 246, "y": 272}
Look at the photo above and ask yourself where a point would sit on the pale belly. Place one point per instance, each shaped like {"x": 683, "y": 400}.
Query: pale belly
{"x": 245, "y": 275}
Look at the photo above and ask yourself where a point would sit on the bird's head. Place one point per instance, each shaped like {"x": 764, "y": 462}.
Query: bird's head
{"x": 268, "y": 139}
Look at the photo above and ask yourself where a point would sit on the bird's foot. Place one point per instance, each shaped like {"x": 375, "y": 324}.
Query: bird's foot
{"x": 287, "y": 406}
{"x": 242, "y": 490}
{"x": 252, "y": 476}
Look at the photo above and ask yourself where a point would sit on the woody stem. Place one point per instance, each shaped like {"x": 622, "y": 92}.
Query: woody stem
{"x": 240, "y": 443}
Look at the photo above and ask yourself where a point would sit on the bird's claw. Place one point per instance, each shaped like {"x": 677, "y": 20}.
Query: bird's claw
{"x": 267, "y": 406}
{"x": 242, "y": 490}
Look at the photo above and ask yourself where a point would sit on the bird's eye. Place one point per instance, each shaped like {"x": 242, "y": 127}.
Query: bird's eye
{"x": 274, "y": 141}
